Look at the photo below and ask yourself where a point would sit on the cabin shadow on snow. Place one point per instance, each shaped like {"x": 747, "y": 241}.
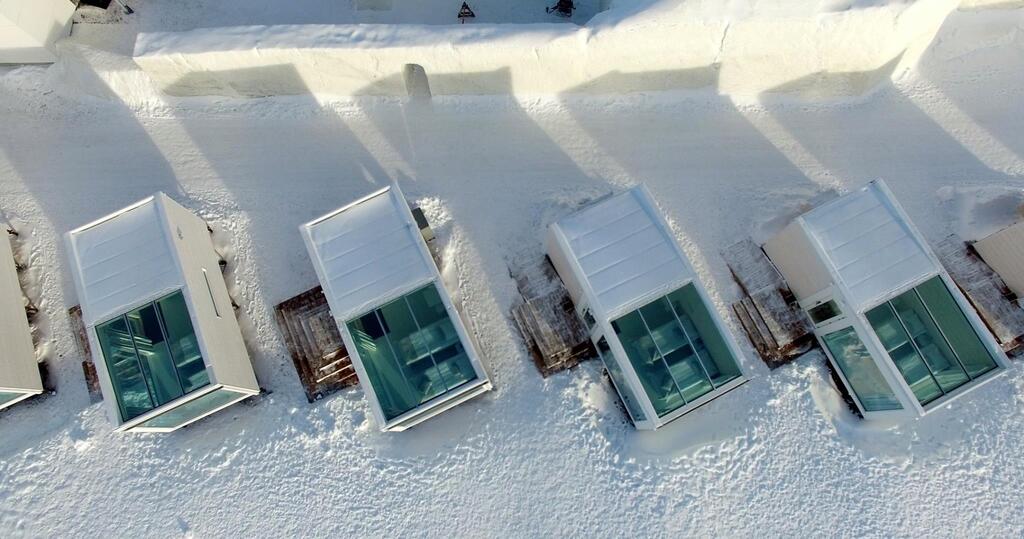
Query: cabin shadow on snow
{"x": 117, "y": 170}
{"x": 262, "y": 168}
{"x": 943, "y": 70}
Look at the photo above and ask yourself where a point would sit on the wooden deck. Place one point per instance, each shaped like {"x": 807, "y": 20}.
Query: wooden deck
{"x": 315, "y": 344}
{"x": 776, "y": 325}
{"x": 547, "y": 320}
{"x": 996, "y": 304}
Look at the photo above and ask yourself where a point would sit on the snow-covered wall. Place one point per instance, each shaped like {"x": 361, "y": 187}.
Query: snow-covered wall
{"x": 28, "y": 29}
{"x": 788, "y": 50}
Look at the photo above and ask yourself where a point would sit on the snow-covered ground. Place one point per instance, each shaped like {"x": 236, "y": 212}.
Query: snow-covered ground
{"x": 779, "y": 457}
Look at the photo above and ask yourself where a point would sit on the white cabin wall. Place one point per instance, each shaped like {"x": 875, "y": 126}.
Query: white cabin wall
{"x": 795, "y": 258}
{"x": 29, "y": 28}
{"x": 221, "y": 336}
{"x": 18, "y": 366}
{"x": 1004, "y": 252}
{"x": 560, "y": 260}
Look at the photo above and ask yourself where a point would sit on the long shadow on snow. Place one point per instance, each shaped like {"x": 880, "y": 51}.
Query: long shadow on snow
{"x": 120, "y": 165}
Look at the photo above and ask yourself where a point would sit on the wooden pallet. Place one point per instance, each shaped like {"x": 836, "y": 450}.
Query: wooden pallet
{"x": 315, "y": 344}
{"x": 992, "y": 299}
{"x": 554, "y": 334}
{"x": 776, "y": 325}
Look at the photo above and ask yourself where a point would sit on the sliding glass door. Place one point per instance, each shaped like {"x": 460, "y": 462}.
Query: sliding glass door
{"x": 411, "y": 351}
{"x": 858, "y": 368}
{"x": 930, "y": 340}
{"x": 152, "y": 355}
{"x": 676, "y": 349}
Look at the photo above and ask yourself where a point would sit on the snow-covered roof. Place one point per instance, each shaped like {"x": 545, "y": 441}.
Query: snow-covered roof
{"x": 868, "y": 243}
{"x": 366, "y": 252}
{"x": 121, "y": 259}
{"x": 624, "y": 250}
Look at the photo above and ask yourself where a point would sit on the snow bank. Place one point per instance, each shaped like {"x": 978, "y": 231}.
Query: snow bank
{"x": 817, "y": 53}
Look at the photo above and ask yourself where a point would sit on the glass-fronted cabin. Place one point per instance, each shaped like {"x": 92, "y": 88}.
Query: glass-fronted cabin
{"x": 666, "y": 350}
{"x": 898, "y": 332}
{"x": 409, "y": 347}
{"x": 19, "y": 370}
{"x": 165, "y": 341}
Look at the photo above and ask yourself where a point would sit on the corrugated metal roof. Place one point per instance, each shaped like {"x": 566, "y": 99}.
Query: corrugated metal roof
{"x": 366, "y": 252}
{"x": 123, "y": 259}
{"x": 623, "y": 249}
{"x": 868, "y": 244}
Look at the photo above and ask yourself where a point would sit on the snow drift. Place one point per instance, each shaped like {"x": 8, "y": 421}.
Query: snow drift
{"x": 810, "y": 53}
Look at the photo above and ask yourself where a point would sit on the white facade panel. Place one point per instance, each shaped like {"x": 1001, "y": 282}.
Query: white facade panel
{"x": 870, "y": 247}
{"x": 622, "y": 250}
{"x": 1004, "y": 252}
{"x": 19, "y": 370}
{"x": 794, "y": 256}
{"x": 29, "y": 28}
{"x": 366, "y": 251}
{"x": 122, "y": 259}
{"x": 209, "y": 302}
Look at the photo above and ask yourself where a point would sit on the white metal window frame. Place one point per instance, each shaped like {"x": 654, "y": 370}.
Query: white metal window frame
{"x": 846, "y": 319}
{"x": 976, "y": 324}
{"x": 437, "y": 404}
{"x": 24, "y": 395}
{"x": 104, "y": 372}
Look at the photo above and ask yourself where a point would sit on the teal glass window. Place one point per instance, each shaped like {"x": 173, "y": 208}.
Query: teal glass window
{"x": 152, "y": 355}
{"x": 676, "y": 349}
{"x": 824, "y": 312}
{"x": 411, "y": 351}
{"x": 930, "y": 340}
{"x": 193, "y": 409}
{"x": 7, "y": 396}
{"x": 860, "y": 371}
{"x": 619, "y": 381}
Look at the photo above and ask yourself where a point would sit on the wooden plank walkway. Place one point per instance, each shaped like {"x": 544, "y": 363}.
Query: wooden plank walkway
{"x": 996, "y": 304}
{"x": 776, "y": 325}
{"x": 92, "y": 379}
{"x": 315, "y": 344}
{"x": 547, "y": 320}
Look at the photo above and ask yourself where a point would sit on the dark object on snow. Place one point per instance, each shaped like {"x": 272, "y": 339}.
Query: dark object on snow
{"x": 124, "y": 7}
{"x": 995, "y": 303}
{"x": 466, "y": 13}
{"x": 554, "y": 334}
{"x": 563, "y": 8}
{"x": 102, "y": 4}
{"x": 778, "y": 328}
{"x": 315, "y": 344}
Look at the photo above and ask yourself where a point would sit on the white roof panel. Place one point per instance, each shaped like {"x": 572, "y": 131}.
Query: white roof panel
{"x": 122, "y": 259}
{"x": 366, "y": 252}
{"x": 868, "y": 243}
{"x": 624, "y": 250}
